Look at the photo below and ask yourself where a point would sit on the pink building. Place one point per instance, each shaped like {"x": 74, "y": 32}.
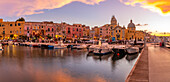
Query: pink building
{"x": 74, "y": 31}
{"x": 104, "y": 32}
{"x": 27, "y": 29}
{"x": 50, "y": 30}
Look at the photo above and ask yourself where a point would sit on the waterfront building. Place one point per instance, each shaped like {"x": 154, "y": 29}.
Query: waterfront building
{"x": 97, "y": 33}
{"x": 113, "y": 21}
{"x": 132, "y": 33}
{"x": 50, "y": 30}
{"x": 92, "y": 34}
{"x": 86, "y": 30}
{"x": 74, "y": 31}
{"x": 104, "y": 32}
{"x": 13, "y": 30}
{"x": 131, "y": 30}
{"x": 118, "y": 33}
{"x": 139, "y": 35}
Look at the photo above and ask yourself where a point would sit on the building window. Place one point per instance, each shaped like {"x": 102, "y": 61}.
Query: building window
{"x": 27, "y": 28}
{"x": 10, "y": 24}
{"x": 111, "y": 33}
{"x": 68, "y": 30}
{"x": 116, "y": 31}
{"x": 17, "y": 31}
{"x": 3, "y": 32}
{"x": 15, "y": 24}
{"x": 41, "y": 26}
{"x": 19, "y": 24}
{"x": 27, "y": 31}
{"x": 10, "y": 31}
{"x": 77, "y": 29}
{"x": 73, "y": 29}
{"x": 20, "y": 28}
{"x": 100, "y": 31}
{"x": 3, "y": 25}
{"x": 20, "y": 31}
{"x": 80, "y": 30}
{"x": 48, "y": 29}
{"x": 52, "y": 29}
{"x": 52, "y": 35}
{"x": 119, "y": 30}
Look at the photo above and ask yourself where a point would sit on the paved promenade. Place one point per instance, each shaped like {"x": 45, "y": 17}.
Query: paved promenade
{"x": 159, "y": 64}
{"x": 152, "y": 66}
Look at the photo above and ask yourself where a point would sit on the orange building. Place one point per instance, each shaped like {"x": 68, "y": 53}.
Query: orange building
{"x": 14, "y": 29}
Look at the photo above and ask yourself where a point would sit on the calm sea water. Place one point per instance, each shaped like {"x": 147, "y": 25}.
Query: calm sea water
{"x": 28, "y": 64}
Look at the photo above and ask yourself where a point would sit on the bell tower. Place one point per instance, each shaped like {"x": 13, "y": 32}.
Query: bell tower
{"x": 113, "y": 21}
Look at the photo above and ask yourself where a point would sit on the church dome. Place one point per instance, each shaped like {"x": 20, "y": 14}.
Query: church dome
{"x": 131, "y": 25}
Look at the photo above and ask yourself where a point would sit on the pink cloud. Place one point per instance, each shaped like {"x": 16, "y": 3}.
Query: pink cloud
{"x": 29, "y": 7}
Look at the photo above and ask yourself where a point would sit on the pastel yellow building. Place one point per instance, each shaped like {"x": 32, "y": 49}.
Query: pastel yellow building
{"x": 86, "y": 30}
{"x": 139, "y": 35}
{"x": 118, "y": 33}
{"x": 131, "y": 29}
{"x": 7, "y": 29}
{"x": 96, "y": 29}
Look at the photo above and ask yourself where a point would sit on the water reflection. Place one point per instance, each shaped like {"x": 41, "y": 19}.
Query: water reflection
{"x": 132, "y": 57}
{"x": 30, "y": 64}
{"x": 118, "y": 56}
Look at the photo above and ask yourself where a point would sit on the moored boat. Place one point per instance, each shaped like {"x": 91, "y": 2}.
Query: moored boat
{"x": 132, "y": 50}
{"x": 104, "y": 49}
{"x": 120, "y": 49}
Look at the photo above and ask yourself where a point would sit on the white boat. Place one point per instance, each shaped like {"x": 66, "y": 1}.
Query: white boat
{"x": 167, "y": 45}
{"x": 82, "y": 46}
{"x": 10, "y": 43}
{"x": 59, "y": 46}
{"x": 103, "y": 49}
{"x": 1, "y": 48}
{"x": 92, "y": 47}
{"x": 120, "y": 49}
{"x": 132, "y": 50}
{"x": 15, "y": 43}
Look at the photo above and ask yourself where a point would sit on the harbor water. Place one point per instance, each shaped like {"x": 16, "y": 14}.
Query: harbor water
{"x": 28, "y": 64}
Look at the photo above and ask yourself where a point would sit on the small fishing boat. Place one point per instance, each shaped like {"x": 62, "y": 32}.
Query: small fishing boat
{"x": 82, "y": 46}
{"x": 120, "y": 49}
{"x": 132, "y": 50}
{"x": 104, "y": 49}
{"x": 167, "y": 45}
{"x": 10, "y": 42}
{"x": 140, "y": 47}
{"x": 59, "y": 46}
{"x": 4, "y": 43}
{"x": 92, "y": 47}
{"x": 44, "y": 45}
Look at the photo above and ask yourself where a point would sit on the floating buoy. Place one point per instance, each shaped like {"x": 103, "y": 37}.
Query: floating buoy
{"x": 118, "y": 54}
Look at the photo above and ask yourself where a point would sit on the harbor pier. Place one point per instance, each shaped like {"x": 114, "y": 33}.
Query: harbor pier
{"x": 153, "y": 65}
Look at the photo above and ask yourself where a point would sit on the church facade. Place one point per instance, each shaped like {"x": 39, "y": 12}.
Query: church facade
{"x": 116, "y": 32}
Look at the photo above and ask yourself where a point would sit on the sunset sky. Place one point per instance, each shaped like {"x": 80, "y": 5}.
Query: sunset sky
{"x": 152, "y": 15}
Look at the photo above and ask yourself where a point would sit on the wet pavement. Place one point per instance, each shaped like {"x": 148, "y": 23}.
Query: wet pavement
{"x": 28, "y": 64}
